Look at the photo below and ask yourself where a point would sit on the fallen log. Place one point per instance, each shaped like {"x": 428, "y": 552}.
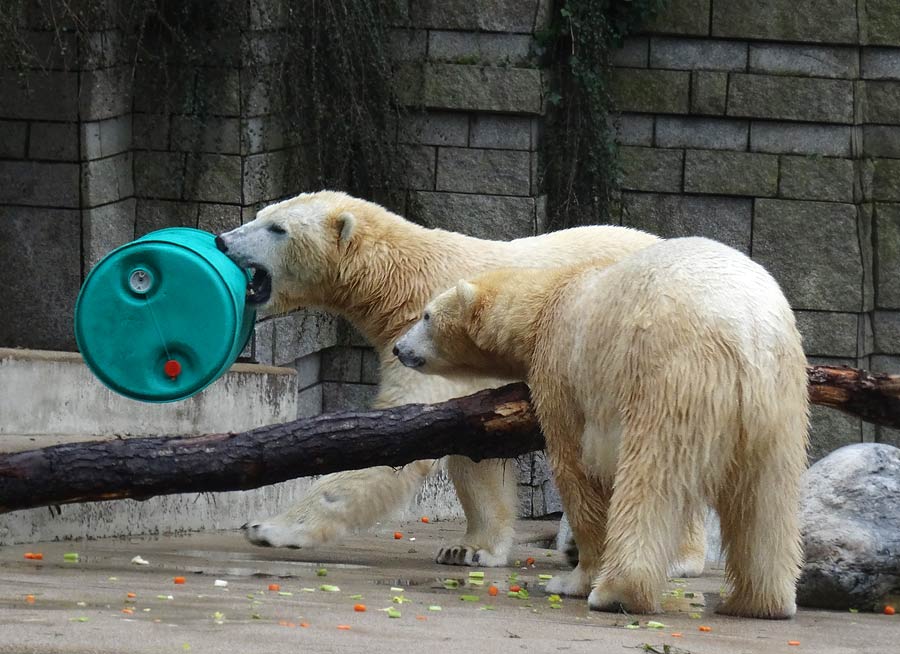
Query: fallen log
{"x": 490, "y": 424}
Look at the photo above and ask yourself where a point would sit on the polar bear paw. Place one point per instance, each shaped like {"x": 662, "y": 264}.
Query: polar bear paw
{"x": 470, "y": 555}
{"x": 687, "y": 567}
{"x": 618, "y": 597}
{"x": 575, "y": 583}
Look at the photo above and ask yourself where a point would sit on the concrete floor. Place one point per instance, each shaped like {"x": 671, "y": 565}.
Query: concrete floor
{"x": 77, "y": 607}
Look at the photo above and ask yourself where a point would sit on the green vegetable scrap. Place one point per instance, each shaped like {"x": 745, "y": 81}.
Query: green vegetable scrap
{"x": 695, "y": 616}
{"x": 396, "y": 589}
{"x": 435, "y": 607}
{"x": 393, "y": 613}
{"x": 322, "y": 572}
{"x": 218, "y": 617}
{"x": 329, "y": 588}
{"x": 70, "y": 556}
{"x": 545, "y": 577}
{"x": 450, "y": 584}
{"x": 633, "y": 625}
{"x": 286, "y": 593}
{"x": 520, "y": 594}
{"x": 554, "y": 599}
{"x": 399, "y": 599}
{"x": 356, "y": 597}
{"x": 652, "y": 624}
{"x": 476, "y": 575}
{"x": 470, "y": 598}
{"x": 487, "y": 607}
{"x": 308, "y": 590}
{"x": 79, "y": 619}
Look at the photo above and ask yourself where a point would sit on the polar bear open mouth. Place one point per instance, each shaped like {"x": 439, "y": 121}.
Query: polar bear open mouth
{"x": 259, "y": 288}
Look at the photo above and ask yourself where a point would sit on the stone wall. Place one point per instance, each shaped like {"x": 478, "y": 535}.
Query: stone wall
{"x": 776, "y": 130}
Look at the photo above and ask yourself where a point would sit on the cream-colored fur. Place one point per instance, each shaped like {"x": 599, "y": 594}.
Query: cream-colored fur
{"x": 664, "y": 383}
{"x": 357, "y": 259}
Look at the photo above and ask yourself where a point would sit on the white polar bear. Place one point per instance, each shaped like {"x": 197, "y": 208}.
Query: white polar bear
{"x": 669, "y": 381}
{"x": 356, "y": 259}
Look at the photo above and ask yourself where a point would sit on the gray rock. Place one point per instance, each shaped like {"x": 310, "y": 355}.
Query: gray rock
{"x": 850, "y": 518}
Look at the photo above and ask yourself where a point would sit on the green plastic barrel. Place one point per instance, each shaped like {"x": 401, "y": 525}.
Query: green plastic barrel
{"x": 161, "y": 318}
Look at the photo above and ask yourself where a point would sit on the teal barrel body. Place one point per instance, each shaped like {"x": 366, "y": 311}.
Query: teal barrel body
{"x": 162, "y": 317}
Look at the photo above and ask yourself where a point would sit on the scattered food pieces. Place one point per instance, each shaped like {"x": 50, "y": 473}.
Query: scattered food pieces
{"x": 704, "y": 628}
{"x": 393, "y": 613}
{"x": 653, "y": 624}
{"x": 529, "y": 560}
{"x": 79, "y": 619}
{"x": 794, "y": 643}
{"x": 450, "y": 584}
{"x": 220, "y": 583}
{"x": 695, "y": 616}
{"x": 676, "y": 635}
{"x": 633, "y": 625}
{"x": 425, "y": 519}
{"x": 328, "y": 588}
{"x": 130, "y": 595}
{"x": 470, "y": 598}
{"x": 322, "y": 572}
{"x": 515, "y": 588}
{"x": 854, "y": 610}
{"x": 359, "y": 608}
{"x": 435, "y": 607}
{"x": 71, "y": 557}
{"x": 179, "y": 580}
{"x": 399, "y": 599}
{"x": 34, "y": 556}
{"x": 218, "y": 617}
{"x": 422, "y": 617}
{"x": 165, "y": 597}
{"x": 545, "y": 577}
{"x": 889, "y": 610}
{"x": 139, "y": 561}
{"x": 274, "y": 588}
{"x": 127, "y": 611}
{"x": 398, "y": 535}
{"x": 396, "y": 589}
{"x": 285, "y": 593}
{"x": 344, "y": 627}
{"x": 476, "y": 575}
{"x": 492, "y": 591}
{"x": 29, "y": 599}
{"x": 356, "y": 597}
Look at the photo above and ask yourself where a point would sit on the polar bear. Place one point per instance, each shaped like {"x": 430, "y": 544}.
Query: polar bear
{"x": 667, "y": 382}
{"x": 356, "y": 259}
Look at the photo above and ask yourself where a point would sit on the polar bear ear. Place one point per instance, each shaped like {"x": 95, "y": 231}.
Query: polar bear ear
{"x": 465, "y": 292}
{"x": 346, "y": 224}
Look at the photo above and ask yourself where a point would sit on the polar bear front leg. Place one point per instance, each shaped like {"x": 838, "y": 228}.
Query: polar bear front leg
{"x": 487, "y": 492}
{"x": 340, "y": 503}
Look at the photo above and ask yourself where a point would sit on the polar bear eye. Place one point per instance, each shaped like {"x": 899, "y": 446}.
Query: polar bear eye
{"x": 426, "y": 316}
{"x": 277, "y": 229}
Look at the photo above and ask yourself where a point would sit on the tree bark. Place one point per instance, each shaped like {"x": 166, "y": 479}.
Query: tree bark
{"x": 490, "y": 424}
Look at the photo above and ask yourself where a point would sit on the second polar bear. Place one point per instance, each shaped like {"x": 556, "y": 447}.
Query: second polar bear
{"x": 669, "y": 381}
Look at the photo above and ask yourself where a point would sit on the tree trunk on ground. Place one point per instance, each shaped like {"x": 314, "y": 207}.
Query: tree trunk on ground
{"x": 489, "y": 424}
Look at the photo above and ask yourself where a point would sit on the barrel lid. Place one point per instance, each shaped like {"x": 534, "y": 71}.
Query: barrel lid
{"x": 158, "y": 320}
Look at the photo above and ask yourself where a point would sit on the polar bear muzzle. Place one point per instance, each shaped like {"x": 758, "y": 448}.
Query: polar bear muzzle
{"x": 259, "y": 288}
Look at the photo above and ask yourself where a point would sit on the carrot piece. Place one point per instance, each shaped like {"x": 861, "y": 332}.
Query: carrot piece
{"x": 704, "y": 628}
{"x": 304, "y": 624}
{"x": 492, "y": 591}
{"x": 423, "y": 618}
{"x": 29, "y": 599}
{"x": 131, "y": 595}
{"x": 179, "y": 580}
{"x": 128, "y": 611}
{"x": 397, "y": 535}
{"x": 529, "y": 561}
{"x": 274, "y": 588}
{"x": 793, "y": 642}
{"x": 676, "y": 635}
{"x": 425, "y": 519}
{"x": 344, "y": 627}
{"x": 359, "y": 608}
{"x": 889, "y": 610}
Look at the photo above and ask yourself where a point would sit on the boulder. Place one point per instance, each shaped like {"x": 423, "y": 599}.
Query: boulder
{"x": 850, "y": 520}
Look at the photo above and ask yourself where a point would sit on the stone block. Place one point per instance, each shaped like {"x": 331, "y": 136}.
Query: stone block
{"x": 206, "y": 134}
{"x": 417, "y": 166}
{"x": 823, "y": 236}
{"x": 709, "y": 93}
{"x": 790, "y": 98}
{"x": 688, "y": 17}
{"x": 817, "y": 178}
{"x": 719, "y": 172}
{"x": 698, "y": 54}
{"x": 435, "y": 128}
{"x": 268, "y": 14}
{"x": 262, "y": 91}
{"x": 13, "y": 139}
{"x": 57, "y": 141}
{"x": 150, "y": 131}
{"x": 213, "y": 178}
{"x": 309, "y": 370}
{"x": 264, "y": 341}
{"x": 886, "y": 180}
{"x": 342, "y": 364}
{"x": 309, "y": 402}
{"x": 651, "y": 91}
{"x": 881, "y": 140}
{"x": 704, "y": 133}
{"x": 777, "y": 20}
{"x": 477, "y": 15}
{"x": 165, "y": 90}
{"x": 886, "y": 329}
{"x": 651, "y": 169}
{"x": 887, "y": 259}
{"x": 220, "y": 91}
{"x": 38, "y": 307}
{"x": 500, "y": 172}
{"x": 159, "y": 175}
{"x": 882, "y": 101}
{"x": 407, "y": 45}
{"x": 880, "y": 63}
{"x": 830, "y": 430}
{"x": 482, "y": 216}
{"x": 302, "y": 333}
{"x": 39, "y": 184}
{"x": 633, "y": 129}
{"x": 104, "y": 138}
{"x": 106, "y": 228}
{"x": 881, "y": 23}
{"x": 724, "y": 219}
{"x": 804, "y": 60}
{"x": 827, "y": 333}
{"x": 502, "y": 132}
{"x": 265, "y": 176}
{"x": 151, "y": 215}
{"x": 263, "y": 134}
{"x": 371, "y": 366}
{"x": 886, "y": 363}
{"x": 105, "y": 93}
{"x": 39, "y": 96}
{"x": 471, "y": 88}
{"x": 479, "y": 48}
{"x": 633, "y": 53}
{"x": 789, "y": 138}
{"x": 107, "y": 180}
{"x": 347, "y": 397}
{"x": 218, "y": 218}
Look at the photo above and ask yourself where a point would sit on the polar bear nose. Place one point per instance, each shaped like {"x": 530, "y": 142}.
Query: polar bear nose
{"x": 220, "y": 243}
{"x": 396, "y": 351}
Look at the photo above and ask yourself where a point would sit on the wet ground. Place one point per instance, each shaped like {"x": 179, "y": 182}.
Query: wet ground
{"x": 66, "y": 606}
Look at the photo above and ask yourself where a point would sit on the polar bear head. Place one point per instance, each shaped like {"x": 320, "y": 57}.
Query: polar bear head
{"x": 292, "y": 248}
{"x": 461, "y": 332}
